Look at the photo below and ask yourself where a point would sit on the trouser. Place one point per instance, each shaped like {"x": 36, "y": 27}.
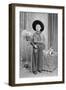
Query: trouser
{"x": 37, "y": 60}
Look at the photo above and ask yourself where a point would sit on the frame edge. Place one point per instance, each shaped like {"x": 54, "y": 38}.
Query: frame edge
{"x": 11, "y": 45}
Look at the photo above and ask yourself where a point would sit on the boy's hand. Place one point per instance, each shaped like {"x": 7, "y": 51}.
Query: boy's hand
{"x": 36, "y": 46}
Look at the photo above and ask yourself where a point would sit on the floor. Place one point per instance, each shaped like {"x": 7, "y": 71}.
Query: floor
{"x": 26, "y": 73}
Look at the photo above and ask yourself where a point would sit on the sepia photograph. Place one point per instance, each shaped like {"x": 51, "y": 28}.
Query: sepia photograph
{"x": 36, "y": 44}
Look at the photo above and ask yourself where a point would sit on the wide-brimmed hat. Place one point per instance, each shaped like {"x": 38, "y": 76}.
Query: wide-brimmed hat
{"x": 38, "y": 22}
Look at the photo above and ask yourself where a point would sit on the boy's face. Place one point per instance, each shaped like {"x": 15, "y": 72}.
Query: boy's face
{"x": 38, "y": 28}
